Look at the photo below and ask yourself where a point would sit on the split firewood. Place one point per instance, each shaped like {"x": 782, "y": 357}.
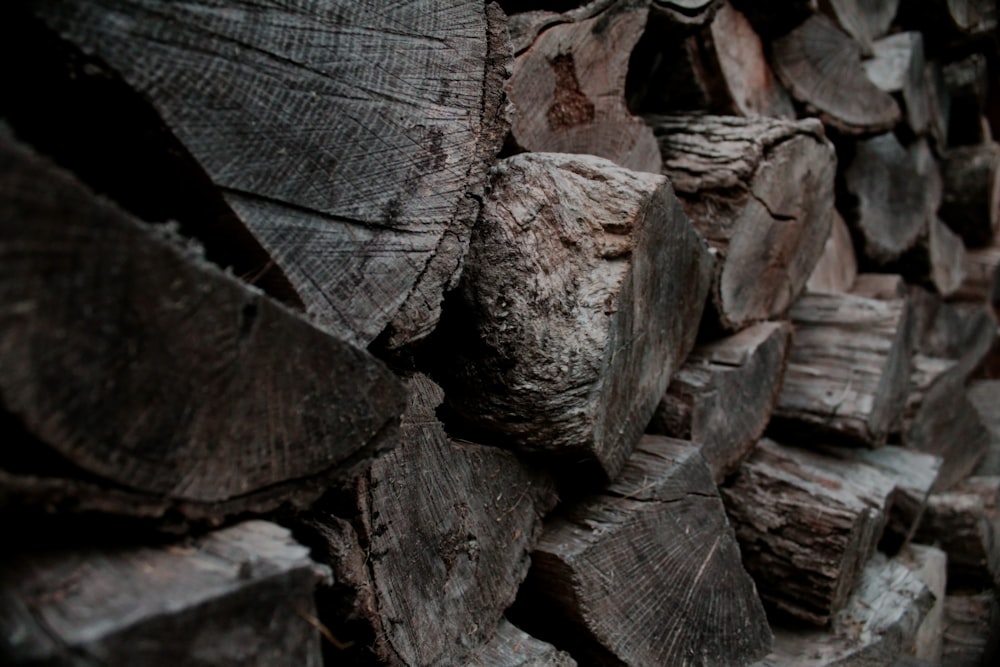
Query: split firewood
{"x": 512, "y": 647}
{"x": 968, "y": 84}
{"x": 950, "y": 22}
{"x": 647, "y": 571}
{"x": 572, "y": 359}
{"x": 864, "y": 20}
{"x": 963, "y": 332}
{"x": 776, "y": 19}
{"x": 930, "y": 564}
{"x": 971, "y": 201}
{"x": 877, "y": 625}
{"x": 723, "y": 395}
{"x": 357, "y": 172}
{"x": 837, "y": 268}
{"x": 239, "y": 596}
{"x": 820, "y": 65}
{"x": 568, "y": 87}
{"x": 437, "y": 545}
{"x": 971, "y": 623}
{"x": 981, "y": 281}
{"x": 983, "y": 395}
{"x": 880, "y": 286}
{"x": 732, "y": 176}
{"x": 939, "y": 105}
{"x": 690, "y": 13}
{"x": 782, "y": 494}
{"x": 897, "y": 67}
{"x": 848, "y": 367}
{"x": 151, "y": 371}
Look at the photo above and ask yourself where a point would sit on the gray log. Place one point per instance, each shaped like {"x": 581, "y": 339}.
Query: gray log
{"x": 897, "y": 67}
{"x": 512, "y": 647}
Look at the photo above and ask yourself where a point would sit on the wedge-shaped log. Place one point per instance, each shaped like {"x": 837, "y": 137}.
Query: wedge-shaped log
{"x": 837, "y": 268}
{"x": 723, "y": 395}
{"x": 732, "y": 175}
{"x": 848, "y": 366}
{"x": 897, "y": 67}
{"x": 806, "y": 523}
{"x": 582, "y": 292}
{"x": 239, "y": 596}
{"x": 141, "y": 364}
{"x": 350, "y": 142}
{"x": 437, "y": 545}
{"x": 971, "y": 201}
{"x": 930, "y": 564}
{"x": 512, "y": 647}
{"x": 647, "y": 571}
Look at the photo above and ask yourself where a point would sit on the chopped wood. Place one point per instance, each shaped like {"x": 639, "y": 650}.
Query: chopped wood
{"x": 981, "y": 279}
{"x": 723, "y": 395}
{"x": 777, "y": 18}
{"x": 837, "y": 268}
{"x": 897, "y": 67}
{"x": 691, "y": 13}
{"x": 647, "y": 571}
{"x": 951, "y": 23}
{"x": 964, "y": 332}
{"x": 864, "y": 20}
{"x": 572, "y": 359}
{"x": 971, "y": 201}
{"x": 848, "y": 367}
{"x": 512, "y": 647}
{"x": 881, "y": 286}
{"x": 153, "y": 372}
{"x": 983, "y": 395}
{"x": 971, "y": 623}
{"x": 568, "y": 89}
{"x": 968, "y": 85}
{"x": 821, "y": 67}
{"x": 930, "y": 564}
{"x": 239, "y": 596}
{"x": 732, "y": 176}
{"x": 806, "y": 523}
{"x": 939, "y": 105}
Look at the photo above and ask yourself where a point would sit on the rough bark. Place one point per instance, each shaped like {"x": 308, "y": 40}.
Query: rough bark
{"x": 897, "y": 67}
{"x": 806, "y": 523}
{"x": 837, "y": 268}
{"x": 723, "y": 395}
{"x": 581, "y": 296}
{"x": 971, "y": 622}
{"x": 145, "y": 367}
{"x": 647, "y": 571}
{"x": 732, "y": 176}
{"x": 971, "y": 201}
{"x": 239, "y": 596}
{"x": 821, "y": 67}
{"x": 512, "y": 647}
{"x": 930, "y": 564}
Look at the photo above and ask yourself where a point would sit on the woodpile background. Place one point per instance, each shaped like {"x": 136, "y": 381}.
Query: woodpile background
{"x": 634, "y": 332}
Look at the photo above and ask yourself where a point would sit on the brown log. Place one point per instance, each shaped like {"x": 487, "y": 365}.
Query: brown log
{"x": 864, "y": 20}
{"x": 732, "y": 175}
{"x": 821, "y": 67}
{"x": 512, "y": 647}
{"x": 848, "y": 367}
{"x": 806, "y": 523}
{"x": 328, "y": 132}
{"x": 930, "y": 564}
{"x": 837, "y": 268}
{"x": 897, "y": 67}
{"x": 151, "y": 371}
{"x": 568, "y": 88}
{"x": 647, "y": 571}
{"x": 723, "y": 395}
{"x": 437, "y": 545}
{"x": 971, "y": 623}
{"x": 971, "y": 201}
{"x": 571, "y": 359}
{"x": 239, "y": 596}
{"x": 983, "y": 396}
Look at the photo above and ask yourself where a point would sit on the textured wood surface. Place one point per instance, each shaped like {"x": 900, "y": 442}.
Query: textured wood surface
{"x": 837, "y": 267}
{"x": 143, "y": 365}
{"x": 930, "y": 564}
{"x": 690, "y": 13}
{"x": 581, "y": 295}
{"x": 239, "y": 596}
{"x": 983, "y": 395}
{"x": 971, "y": 621}
{"x": 897, "y": 67}
{"x": 512, "y": 647}
{"x": 981, "y": 280}
{"x": 971, "y": 202}
{"x": 732, "y": 175}
{"x": 864, "y": 20}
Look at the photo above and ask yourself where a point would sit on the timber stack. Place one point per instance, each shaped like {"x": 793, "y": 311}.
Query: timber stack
{"x": 621, "y": 332}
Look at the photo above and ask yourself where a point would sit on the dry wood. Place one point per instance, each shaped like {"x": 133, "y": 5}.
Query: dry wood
{"x": 732, "y": 175}
{"x": 776, "y": 19}
{"x": 848, "y": 367}
{"x": 512, "y": 647}
{"x": 568, "y": 88}
{"x": 971, "y": 201}
{"x": 950, "y": 22}
{"x": 897, "y": 67}
{"x": 352, "y": 150}
{"x": 939, "y": 105}
{"x": 647, "y": 571}
{"x": 983, "y": 395}
{"x": 930, "y": 564}
{"x": 821, "y": 67}
{"x": 968, "y": 83}
{"x": 864, "y": 20}
{"x": 582, "y": 294}
{"x": 837, "y": 268}
{"x": 806, "y": 523}
{"x": 981, "y": 279}
{"x": 723, "y": 395}
{"x": 690, "y": 13}
{"x": 964, "y": 332}
{"x": 143, "y": 365}
{"x": 239, "y": 596}
{"x": 971, "y": 623}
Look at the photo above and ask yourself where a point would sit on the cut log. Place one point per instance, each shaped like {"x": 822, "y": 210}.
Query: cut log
{"x": 971, "y": 201}
{"x": 581, "y": 296}
{"x": 963, "y": 332}
{"x": 968, "y": 84}
{"x": 983, "y": 395}
{"x": 806, "y": 523}
{"x": 723, "y": 395}
{"x": 864, "y": 20}
{"x": 689, "y": 13}
{"x": 144, "y": 366}
{"x": 981, "y": 279}
{"x": 512, "y": 647}
{"x": 970, "y": 630}
{"x": 568, "y": 89}
{"x": 837, "y": 268}
{"x": 939, "y": 105}
{"x": 876, "y": 627}
{"x": 821, "y": 67}
{"x": 950, "y": 22}
{"x": 848, "y": 367}
{"x": 388, "y": 191}
{"x": 897, "y": 67}
{"x": 732, "y": 175}
{"x": 240, "y": 596}
{"x": 647, "y": 571}
{"x": 443, "y": 534}
{"x": 930, "y": 564}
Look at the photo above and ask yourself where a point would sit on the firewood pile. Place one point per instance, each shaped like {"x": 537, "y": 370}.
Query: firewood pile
{"x": 629, "y": 332}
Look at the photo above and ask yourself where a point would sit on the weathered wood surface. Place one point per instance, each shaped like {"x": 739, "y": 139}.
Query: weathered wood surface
{"x": 806, "y": 523}
{"x": 820, "y": 65}
{"x": 568, "y": 87}
{"x": 971, "y": 201}
{"x": 239, "y": 596}
{"x": 939, "y": 105}
{"x": 864, "y": 20}
{"x": 984, "y": 396}
{"x": 837, "y": 267}
{"x": 950, "y": 22}
{"x": 351, "y": 142}
{"x": 848, "y": 367}
{"x": 647, "y": 572}
{"x": 146, "y": 367}
{"x": 964, "y": 332}
{"x": 732, "y": 176}
{"x": 968, "y": 84}
{"x": 930, "y": 564}
{"x": 723, "y": 395}
{"x": 971, "y": 623}
{"x": 581, "y": 294}
{"x": 939, "y": 259}
{"x": 876, "y": 627}
{"x": 981, "y": 279}
{"x": 897, "y": 67}
{"x": 512, "y": 647}
{"x": 443, "y": 533}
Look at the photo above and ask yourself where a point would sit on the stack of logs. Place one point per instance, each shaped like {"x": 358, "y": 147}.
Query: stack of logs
{"x": 634, "y": 332}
